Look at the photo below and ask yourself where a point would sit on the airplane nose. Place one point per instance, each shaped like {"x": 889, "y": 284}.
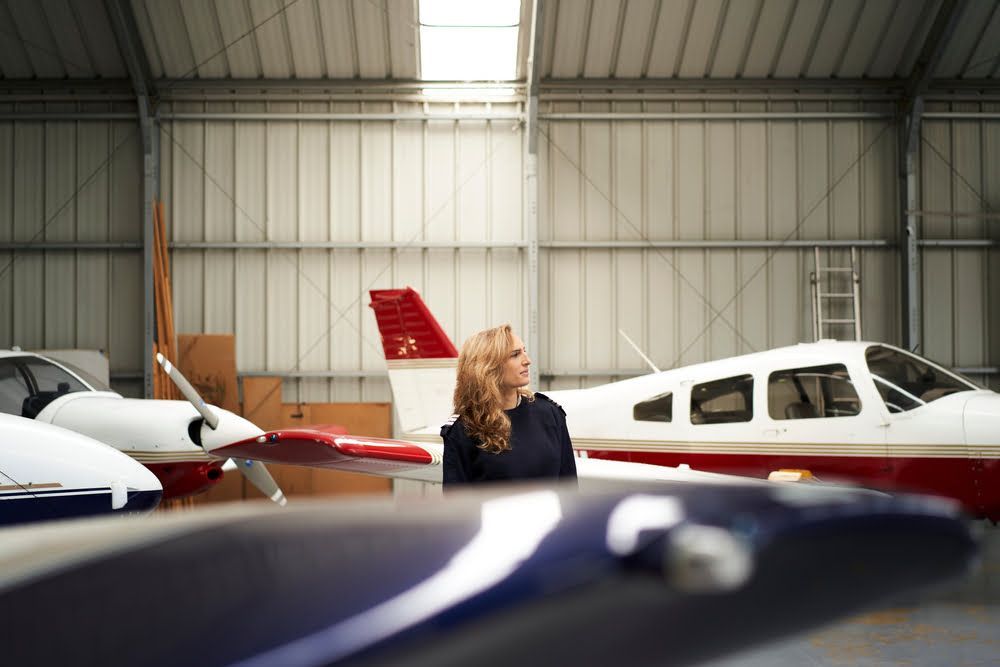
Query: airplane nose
{"x": 142, "y": 500}
{"x": 139, "y": 491}
{"x": 982, "y": 437}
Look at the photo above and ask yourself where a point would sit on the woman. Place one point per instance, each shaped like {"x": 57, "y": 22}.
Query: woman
{"x": 502, "y": 431}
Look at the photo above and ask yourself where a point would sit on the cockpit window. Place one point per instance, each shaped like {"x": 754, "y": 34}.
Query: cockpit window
{"x": 95, "y": 383}
{"x": 906, "y": 381}
{"x": 28, "y": 384}
{"x": 14, "y": 389}
{"x": 723, "y": 401}
{"x": 656, "y": 409}
{"x": 811, "y": 393}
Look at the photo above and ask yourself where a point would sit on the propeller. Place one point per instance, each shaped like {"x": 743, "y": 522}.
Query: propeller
{"x": 254, "y": 471}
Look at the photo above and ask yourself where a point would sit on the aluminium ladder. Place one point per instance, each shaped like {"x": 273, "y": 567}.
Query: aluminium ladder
{"x": 841, "y": 284}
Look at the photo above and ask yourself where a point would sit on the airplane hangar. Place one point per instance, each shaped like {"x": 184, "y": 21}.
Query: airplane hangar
{"x": 627, "y": 182}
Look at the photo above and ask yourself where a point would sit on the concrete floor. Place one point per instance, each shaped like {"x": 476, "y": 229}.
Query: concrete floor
{"x": 953, "y": 626}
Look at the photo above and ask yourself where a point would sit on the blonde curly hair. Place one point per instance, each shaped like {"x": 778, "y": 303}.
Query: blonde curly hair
{"x": 478, "y": 396}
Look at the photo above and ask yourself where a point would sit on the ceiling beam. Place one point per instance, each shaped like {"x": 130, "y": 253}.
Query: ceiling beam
{"x": 126, "y": 31}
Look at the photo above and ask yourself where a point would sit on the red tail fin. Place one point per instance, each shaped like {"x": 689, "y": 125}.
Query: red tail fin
{"x": 408, "y": 329}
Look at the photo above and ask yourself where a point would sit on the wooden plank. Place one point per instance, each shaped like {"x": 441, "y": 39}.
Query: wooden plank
{"x": 371, "y": 419}
{"x": 208, "y": 361}
{"x": 168, "y": 298}
{"x": 262, "y": 402}
{"x": 170, "y": 341}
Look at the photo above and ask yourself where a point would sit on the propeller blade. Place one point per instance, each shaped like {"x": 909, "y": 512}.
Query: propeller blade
{"x": 257, "y": 474}
{"x": 254, "y": 471}
{"x": 190, "y": 393}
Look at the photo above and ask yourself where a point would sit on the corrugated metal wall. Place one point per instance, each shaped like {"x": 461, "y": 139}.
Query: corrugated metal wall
{"x": 403, "y": 185}
{"x": 72, "y": 182}
{"x": 692, "y": 180}
{"x": 400, "y": 187}
{"x": 960, "y": 173}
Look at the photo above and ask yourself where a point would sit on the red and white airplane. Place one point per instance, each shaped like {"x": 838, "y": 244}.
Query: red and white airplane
{"x": 869, "y": 413}
{"x": 173, "y": 439}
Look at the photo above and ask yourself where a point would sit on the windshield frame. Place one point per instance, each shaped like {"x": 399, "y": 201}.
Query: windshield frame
{"x": 878, "y": 380}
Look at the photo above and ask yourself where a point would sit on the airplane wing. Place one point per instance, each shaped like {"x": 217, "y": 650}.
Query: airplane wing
{"x": 670, "y": 574}
{"x": 330, "y": 447}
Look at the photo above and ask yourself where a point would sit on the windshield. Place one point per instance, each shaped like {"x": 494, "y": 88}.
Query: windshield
{"x": 95, "y": 383}
{"x": 28, "y": 384}
{"x": 906, "y": 381}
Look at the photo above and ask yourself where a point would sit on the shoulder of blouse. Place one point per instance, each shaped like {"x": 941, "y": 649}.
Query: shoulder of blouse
{"x": 448, "y": 425}
{"x": 549, "y": 401}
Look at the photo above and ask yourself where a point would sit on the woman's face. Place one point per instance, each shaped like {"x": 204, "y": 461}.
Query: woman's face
{"x": 515, "y": 369}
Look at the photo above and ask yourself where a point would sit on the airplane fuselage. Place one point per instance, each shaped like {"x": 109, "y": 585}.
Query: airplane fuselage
{"x": 861, "y": 412}
{"x": 949, "y": 445}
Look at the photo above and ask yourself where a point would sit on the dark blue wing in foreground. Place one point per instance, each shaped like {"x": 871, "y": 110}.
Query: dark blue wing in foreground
{"x": 666, "y": 574}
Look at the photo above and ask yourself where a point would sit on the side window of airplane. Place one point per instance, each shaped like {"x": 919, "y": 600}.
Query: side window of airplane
{"x": 725, "y": 401}
{"x": 13, "y": 387}
{"x": 657, "y": 409}
{"x": 811, "y": 393}
{"x": 50, "y": 381}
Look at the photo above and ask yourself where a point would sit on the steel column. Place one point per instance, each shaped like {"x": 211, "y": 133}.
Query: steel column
{"x": 911, "y": 109}
{"x": 126, "y": 33}
{"x": 531, "y": 178}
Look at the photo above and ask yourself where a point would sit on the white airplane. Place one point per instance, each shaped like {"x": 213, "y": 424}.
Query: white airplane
{"x": 868, "y": 413}
{"x": 47, "y": 472}
{"x": 174, "y": 439}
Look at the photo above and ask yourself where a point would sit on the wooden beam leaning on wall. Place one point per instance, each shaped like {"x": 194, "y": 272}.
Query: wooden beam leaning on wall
{"x": 165, "y": 342}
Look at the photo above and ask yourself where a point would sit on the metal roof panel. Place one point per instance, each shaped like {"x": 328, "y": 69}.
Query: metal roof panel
{"x": 599, "y": 50}
{"x": 669, "y": 37}
{"x": 569, "y": 39}
{"x": 635, "y": 38}
{"x": 701, "y": 39}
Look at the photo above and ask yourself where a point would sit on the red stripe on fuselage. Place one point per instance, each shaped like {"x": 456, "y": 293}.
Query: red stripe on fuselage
{"x": 973, "y": 482}
{"x": 186, "y": 478}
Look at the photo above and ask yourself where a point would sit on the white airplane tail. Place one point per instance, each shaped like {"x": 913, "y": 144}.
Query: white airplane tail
{"x": 420, "y": 357}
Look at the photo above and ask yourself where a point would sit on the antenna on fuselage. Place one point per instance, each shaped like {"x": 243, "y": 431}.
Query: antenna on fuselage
{"x": 639, "y": 352}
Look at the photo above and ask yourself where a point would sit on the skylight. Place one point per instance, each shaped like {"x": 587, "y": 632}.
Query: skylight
{"x": 468, "y": 40}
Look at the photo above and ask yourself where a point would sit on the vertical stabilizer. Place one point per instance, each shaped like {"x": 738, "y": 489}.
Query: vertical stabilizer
{"x": 420, "y": 357}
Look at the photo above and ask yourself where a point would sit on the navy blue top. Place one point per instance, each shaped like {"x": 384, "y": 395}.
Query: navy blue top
{"x": 539, "y": 447}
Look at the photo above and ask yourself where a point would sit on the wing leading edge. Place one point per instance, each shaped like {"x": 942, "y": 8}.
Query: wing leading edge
{"x": 330, "y": 447}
